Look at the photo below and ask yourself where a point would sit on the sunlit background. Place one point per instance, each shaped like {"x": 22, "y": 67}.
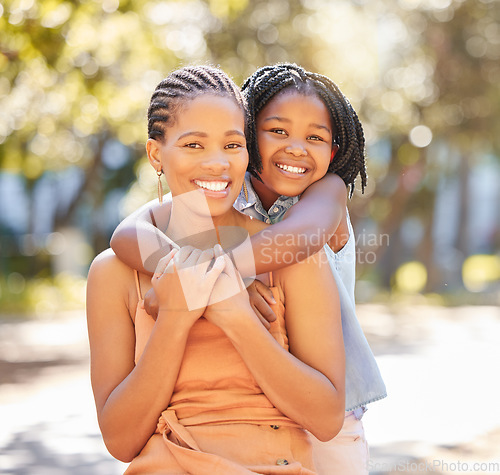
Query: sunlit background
{"x": 424, "y": 76}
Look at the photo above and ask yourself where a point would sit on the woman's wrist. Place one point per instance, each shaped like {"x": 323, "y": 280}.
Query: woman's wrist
{"x": 239, "y": 323}
{"x": 179, "y": 321}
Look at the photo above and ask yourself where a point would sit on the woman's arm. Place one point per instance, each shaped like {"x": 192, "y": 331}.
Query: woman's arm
{"x": 130, "y": 398}
{"x": 307, "y": 383}
{"x": 138, "y": 241}
{"x": 306, "y": 227}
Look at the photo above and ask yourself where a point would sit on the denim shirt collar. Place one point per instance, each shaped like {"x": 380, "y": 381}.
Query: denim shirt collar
{"x": 254, "y": 206}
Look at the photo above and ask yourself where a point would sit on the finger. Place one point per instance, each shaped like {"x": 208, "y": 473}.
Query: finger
{"x": 163, "y": 263}
{"x": 265, "y": 291}
{"x": 183, "y": 254}
{"x": 206, "y": 259}
{"x": 265, "y": 310}
{"x": 218, "y": 251}
{"x": 206, "y": 256}
{"x": 213, "y": 274}
{"x": 192, "y": 258}
{"x": 231, "y": 270}
{"x": 261, "y": 318}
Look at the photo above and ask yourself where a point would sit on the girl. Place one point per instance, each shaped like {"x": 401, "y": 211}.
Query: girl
{"x": 305, "y": 140}
{"x": 185, "y": 394}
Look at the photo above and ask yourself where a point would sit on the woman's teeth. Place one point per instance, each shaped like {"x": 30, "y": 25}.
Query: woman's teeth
{"x": 290, "y": 169}
{"x": 212, "y": 185}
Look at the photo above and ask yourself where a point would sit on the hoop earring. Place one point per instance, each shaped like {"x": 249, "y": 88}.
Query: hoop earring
{"x": 159, "y": 173}
{"x": 333, "y": 155}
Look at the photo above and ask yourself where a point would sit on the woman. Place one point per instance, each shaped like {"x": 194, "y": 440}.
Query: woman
{"x": 207, "y": 388}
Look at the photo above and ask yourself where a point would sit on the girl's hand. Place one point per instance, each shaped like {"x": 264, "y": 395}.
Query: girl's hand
{"x": 150, "y": 303}
{"x": 229, "y": 298}
{"x": 261, "y": 298}
{"x": 183, "y": 283}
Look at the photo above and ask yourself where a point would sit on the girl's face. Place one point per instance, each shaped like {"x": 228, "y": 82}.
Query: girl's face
{"x": 294, "y": 134}
{"x": 204, "y": 150}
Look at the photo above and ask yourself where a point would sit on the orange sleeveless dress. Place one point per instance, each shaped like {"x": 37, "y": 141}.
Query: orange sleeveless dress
{"x": 219, "y": 421}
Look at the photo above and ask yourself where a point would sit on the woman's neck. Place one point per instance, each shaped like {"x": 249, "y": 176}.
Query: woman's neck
{"x": 191, "y": 222}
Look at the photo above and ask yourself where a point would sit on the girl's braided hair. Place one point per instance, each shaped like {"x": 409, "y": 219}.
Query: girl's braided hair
{"x": 185, "y": 84}
{"x": 268, "y": 81}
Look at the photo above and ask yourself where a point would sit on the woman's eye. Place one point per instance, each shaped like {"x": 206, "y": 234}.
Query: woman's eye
{"x": 234, "y": 145}
{"x": 278, "y": 131}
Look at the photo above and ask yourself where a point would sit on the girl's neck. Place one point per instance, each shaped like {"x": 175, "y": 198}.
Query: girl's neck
{"x": 266, "y": 196}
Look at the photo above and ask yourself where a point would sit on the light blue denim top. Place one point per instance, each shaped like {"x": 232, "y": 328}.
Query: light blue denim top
{"x": 364, "y": 383}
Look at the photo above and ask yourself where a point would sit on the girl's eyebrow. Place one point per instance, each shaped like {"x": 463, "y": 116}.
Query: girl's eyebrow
{"x": 282, "y": 119}
{"x": 196, "y": 133}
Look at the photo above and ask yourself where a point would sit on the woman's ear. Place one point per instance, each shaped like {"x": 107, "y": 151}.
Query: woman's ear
{"x": 153, "y": 151}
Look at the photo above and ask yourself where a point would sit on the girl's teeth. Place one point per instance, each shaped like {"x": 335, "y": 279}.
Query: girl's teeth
{"x": 291, "y": 169}
{"x": 212, "y": 185}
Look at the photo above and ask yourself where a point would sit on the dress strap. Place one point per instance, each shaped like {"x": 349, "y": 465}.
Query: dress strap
{"x": 138, "y": 284}
{"x": 271, "y": 280}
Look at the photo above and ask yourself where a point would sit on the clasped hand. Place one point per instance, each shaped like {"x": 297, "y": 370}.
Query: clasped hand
{"x": 196, "y": 283}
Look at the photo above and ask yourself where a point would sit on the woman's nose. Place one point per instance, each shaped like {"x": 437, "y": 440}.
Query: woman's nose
{"x": 216, "y": 162}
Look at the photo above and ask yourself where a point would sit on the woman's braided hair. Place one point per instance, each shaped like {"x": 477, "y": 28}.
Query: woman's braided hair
{"x": 185, "y": 84}
{"x": 268, "y": 81}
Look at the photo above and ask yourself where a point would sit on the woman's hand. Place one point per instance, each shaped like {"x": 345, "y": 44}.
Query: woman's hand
{"x": 183, "y": 283}
{"x": 229, "y": 299}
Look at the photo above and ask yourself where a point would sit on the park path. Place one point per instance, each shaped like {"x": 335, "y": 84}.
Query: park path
{"x": 440, "y": 366}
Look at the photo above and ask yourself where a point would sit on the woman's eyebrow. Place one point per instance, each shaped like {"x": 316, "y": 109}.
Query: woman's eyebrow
{"x": 195, "y": 133}
{"x": 234, "y": 132}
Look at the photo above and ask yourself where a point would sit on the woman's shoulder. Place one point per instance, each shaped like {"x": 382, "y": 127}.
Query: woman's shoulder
{"x": 305, "y": 273}
{"x": 109, "y": 269}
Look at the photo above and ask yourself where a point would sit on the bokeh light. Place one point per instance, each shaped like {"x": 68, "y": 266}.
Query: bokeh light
{"x": 410, "y": 277}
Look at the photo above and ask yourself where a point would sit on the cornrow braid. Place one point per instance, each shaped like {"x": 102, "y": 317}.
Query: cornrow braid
{"x": 185, "y": 84}
{"x": 269, "y": 81}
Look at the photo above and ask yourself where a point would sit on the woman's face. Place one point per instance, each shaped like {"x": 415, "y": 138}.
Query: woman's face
{"x": 204, "y": 151}
{"x": 295, "y": 136}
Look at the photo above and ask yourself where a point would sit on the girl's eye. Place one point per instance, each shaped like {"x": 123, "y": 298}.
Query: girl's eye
{"x": 315, "y": 137}
{"x": 192, "y": 145}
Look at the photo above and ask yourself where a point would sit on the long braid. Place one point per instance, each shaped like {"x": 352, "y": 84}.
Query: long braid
{"x": 184, "y": 84}
{"x": 267, "y": 82}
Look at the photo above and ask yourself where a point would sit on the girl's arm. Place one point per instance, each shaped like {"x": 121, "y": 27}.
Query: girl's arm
{"x": 129, "y": 398}
{"x": 138, "y": 240}
{"x": 318, "y": 218}
{"x": 307, "y": 383}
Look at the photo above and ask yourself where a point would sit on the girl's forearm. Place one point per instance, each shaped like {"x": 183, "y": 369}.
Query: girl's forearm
{"x": 140, "y": 245}
{"x": 130, "y": 413}
{"x": 286, "y": 243}
{"x": 305, "y": 229}
{"x": 299, "y": 391}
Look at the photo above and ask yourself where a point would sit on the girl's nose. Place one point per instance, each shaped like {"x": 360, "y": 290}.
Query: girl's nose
{"x": 296, "y": 149}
